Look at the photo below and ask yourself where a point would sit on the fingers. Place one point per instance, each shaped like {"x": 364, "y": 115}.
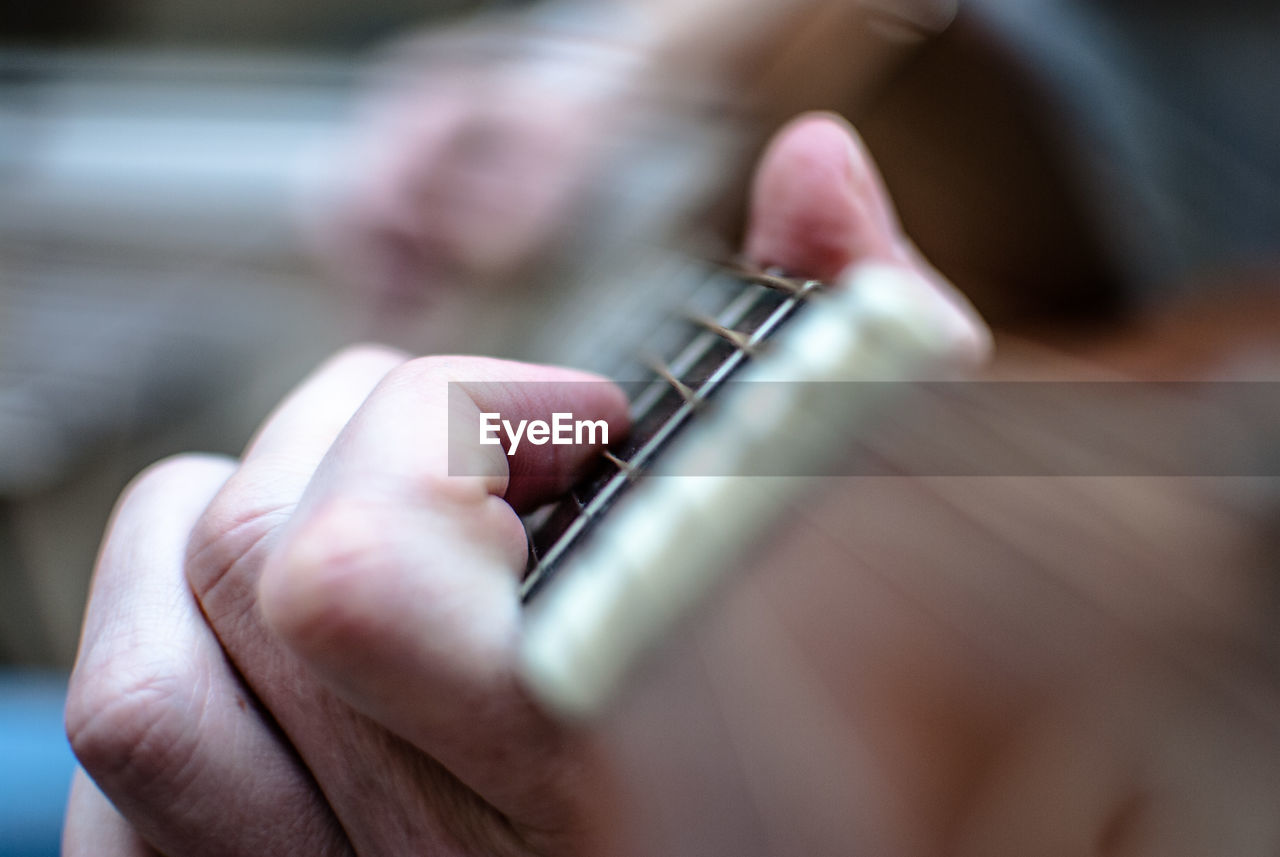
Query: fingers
{"x": 470, "y": 173}
{"x": 154, "y": 712}
{"x": 95, "y": 829}
{"x": 406, "y": 420}
{"x": 397, "y": 583}
{"x": 820, "y": 209}
{"x": 258, "y": 499}
{"x": 372, "y": 238}
{"x": 505, "y": 184}
{"x": 818, "y": 204}
{"x": 303, "y": 427}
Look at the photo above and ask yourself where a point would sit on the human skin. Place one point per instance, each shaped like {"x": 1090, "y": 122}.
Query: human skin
{"x": 344, "y": 678}
{"x": 482, "y": 149}
{"x": 945, "y": 665}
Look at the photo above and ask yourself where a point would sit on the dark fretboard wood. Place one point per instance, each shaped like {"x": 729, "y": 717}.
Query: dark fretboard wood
{"x": 728, "y": 319}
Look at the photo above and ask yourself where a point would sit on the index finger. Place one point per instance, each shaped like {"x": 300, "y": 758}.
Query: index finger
{"x": 397, "y": 580}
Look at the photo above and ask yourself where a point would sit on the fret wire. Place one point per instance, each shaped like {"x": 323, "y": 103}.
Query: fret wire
{"x": 773, "y": 281}
{"x": 738, "y": 340}
{"x": 616, "y": 485}
{"x": 597, "y": 504}
{"x": 664, "y": 372}
{"x": 737, "y": 310}
{"x": 777, "y": 281}
{"x": 626, "y": 467}
{"x": 695, "y": 351}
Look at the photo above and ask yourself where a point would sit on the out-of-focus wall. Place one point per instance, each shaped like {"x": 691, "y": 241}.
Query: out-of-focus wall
{"x": 156, "y": 290}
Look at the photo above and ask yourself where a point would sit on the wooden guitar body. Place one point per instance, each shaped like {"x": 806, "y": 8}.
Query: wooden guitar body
{"x": 970, "y": 663}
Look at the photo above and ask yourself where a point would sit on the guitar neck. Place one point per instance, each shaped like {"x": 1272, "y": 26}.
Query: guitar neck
{"x": 605, "y": 588}
{"x": 687, "y": 360}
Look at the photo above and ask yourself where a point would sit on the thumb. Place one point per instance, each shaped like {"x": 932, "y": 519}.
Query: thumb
{"x": 818, "y": 204}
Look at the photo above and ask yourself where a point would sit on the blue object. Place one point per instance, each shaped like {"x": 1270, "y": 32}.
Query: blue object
{"x": 35, "y": 763}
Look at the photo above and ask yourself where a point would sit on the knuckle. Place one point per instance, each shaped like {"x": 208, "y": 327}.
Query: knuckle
{"x": 463, "y": 369}
{"x": 133, "y": 727}
{"x": 433, "y": 369}
{"x": 231, "y": 528}
{"x": 465, "y": 372}
{"x": 366, "y": 355}
{"x": 319, "y": 585}
{"x": 457, "y": 496}
{"x": 161, "y": 478}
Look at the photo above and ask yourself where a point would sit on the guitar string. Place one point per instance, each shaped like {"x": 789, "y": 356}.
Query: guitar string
{"x": 591, "y": 504}
{"x": 687, "y": 360}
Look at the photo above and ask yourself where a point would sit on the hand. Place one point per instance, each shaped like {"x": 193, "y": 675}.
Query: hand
{"x": 308, "y": 539}
{"x": 478, "y": 149}
{"x": 343, "y": 679}
{"x": 483, "y": 148}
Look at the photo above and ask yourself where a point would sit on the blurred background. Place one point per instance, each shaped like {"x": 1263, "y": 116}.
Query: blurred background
{"x": 155, "y": 294}
{"x": 1069, "y": 163}
{"x": 154, "y": 290}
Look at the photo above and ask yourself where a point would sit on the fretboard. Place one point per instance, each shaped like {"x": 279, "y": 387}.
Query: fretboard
{"x": 727, "y": 320}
